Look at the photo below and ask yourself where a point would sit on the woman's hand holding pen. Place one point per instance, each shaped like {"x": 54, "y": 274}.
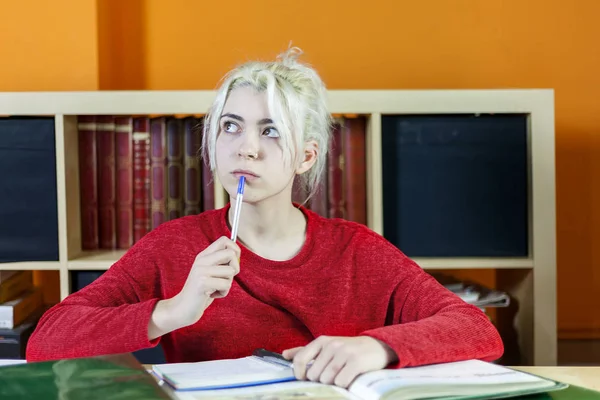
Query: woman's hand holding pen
{"x": 210, "y": 278}
{"x": 338, "y": 360}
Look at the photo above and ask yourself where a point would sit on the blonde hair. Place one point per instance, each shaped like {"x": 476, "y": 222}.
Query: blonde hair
{"x": 296, "y": 98}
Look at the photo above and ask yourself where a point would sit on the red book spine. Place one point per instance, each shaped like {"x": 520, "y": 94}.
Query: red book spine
{"x": 355, "y": 173}
{"x": 124, "y": 149}
{"x": 88, "y": 184}
{"x": 158, "y": 165}
{"x": 335, "y": 177}
{"x": 191, "y": 162}
{"x": 106, "y": 181}
{"x": 141, "y": 177}
{"x": 174, "y": 168}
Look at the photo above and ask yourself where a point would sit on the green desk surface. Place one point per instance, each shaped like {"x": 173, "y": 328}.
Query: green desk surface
{"x": 118, "y": 377}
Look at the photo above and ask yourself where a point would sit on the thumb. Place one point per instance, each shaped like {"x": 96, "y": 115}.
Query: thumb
{"x": 291, "y": 353}
{"x": 209, "y": 300}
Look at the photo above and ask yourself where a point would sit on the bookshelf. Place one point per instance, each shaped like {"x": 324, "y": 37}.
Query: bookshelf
{"x": 530, "y": 280}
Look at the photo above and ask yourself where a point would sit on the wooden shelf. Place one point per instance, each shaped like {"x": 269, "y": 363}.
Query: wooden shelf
{"x": 31, "y": 265}
{"x": 95, "y": 260}
{"x": 530, "y": 280}
{"x": 103, "y": 259}
{"x": 474, "y": 263}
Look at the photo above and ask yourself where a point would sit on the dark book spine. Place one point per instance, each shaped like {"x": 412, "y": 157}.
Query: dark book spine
{"x": 335, "y": 177}
{"x": 208, "y": 190}
{"x": 158, "y": 175}
{"x": 124, "y": 175}
{"x": 88, "y": 183}
{"x": 174, "y": 168}
{"x": 318, "y": 202}
{"x": 355, "y": 174}
{"x": 141, "y": 177}
{"x": 106, "y": 181}
{"x": 191, "y": 162}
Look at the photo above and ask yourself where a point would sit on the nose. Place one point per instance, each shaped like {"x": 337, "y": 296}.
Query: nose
{"x": 249, "y": 146}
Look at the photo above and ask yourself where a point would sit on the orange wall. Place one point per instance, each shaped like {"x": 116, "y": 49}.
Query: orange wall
{"x": 424, "y": 44}
{"x": 186, "y": 44}
{"x": 48, "y": 45}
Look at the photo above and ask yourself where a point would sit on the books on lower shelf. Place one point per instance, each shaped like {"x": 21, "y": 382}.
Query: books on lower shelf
{"x": 474, "y": 293}
{"x": 21, "y": 305}
{"x": 457, "y": 380}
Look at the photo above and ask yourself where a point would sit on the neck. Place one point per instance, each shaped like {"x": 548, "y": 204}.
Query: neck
{"x": 268, "y": 221}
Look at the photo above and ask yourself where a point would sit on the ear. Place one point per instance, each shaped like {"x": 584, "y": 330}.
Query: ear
{"x": 310, "y": 152}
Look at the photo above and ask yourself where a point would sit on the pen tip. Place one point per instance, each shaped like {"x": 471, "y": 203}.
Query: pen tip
{"x": 241, "y": 185}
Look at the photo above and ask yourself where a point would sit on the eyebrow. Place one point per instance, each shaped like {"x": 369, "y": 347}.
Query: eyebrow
{"x": 263, "y": 121}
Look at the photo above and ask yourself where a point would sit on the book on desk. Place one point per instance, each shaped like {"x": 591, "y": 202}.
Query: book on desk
{"x": 459, "y": 380}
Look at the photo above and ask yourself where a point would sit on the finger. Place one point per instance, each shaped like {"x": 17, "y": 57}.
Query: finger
{"x": 347, "y": 374}
{"x": 219, "y": 257}
{"x": 230, "y": 244}
{"x": 306, "y": 355}
{"x": 235, "y": 264}
{"x": 219, "y": 244}
{"x": 222, "y": 243}
{"x": 319, "y": 364}
{"x": 291, "y": 353}
{"x": 331, "y": 371}
{"x": 215, "y": 287}
{"x": 216, "y": 271}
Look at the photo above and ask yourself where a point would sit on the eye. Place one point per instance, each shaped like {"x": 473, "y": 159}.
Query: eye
{"x": 230, "y": 127}
{"x": 271, "y": 132}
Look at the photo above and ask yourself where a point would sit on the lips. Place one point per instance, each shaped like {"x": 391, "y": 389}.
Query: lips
{"x": 244, "y": 172}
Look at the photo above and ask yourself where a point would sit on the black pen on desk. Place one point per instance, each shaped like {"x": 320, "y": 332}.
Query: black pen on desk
{"x": 237, "y": 209}
{"x": 277, "y": 358}
{"x": 273, "y": 357}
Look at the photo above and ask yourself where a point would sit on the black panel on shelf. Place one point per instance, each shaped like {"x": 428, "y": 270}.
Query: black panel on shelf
{"x": 79, "y": 280}
{"x": 28, "y": 204}
{"x": 456, "y": 185}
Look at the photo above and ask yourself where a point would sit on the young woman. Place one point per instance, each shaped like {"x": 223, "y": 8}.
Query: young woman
{"x": 323, "y": 290}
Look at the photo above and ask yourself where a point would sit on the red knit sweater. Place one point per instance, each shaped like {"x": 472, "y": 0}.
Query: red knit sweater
{"x": 345, "y": 281}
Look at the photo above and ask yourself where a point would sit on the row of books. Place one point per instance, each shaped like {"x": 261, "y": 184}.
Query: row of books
{"x": 21, "y": 305}
{"x": 137, "y": 172}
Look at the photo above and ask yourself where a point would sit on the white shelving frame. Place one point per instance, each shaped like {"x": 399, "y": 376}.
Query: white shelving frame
{"x": 535, "y": 288}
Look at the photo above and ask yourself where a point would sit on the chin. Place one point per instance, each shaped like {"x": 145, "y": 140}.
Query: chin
{"x": 252, "y": 199}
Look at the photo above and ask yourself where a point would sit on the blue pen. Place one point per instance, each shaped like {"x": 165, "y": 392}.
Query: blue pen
{"x": 238, "y": 208}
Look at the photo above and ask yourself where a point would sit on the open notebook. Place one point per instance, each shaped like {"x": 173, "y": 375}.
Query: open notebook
{"x": 221, "y": 374}
{"x": 459, "y": 380}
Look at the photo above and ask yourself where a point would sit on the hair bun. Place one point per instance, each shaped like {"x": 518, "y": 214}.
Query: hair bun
{"x": 290, "y": 56}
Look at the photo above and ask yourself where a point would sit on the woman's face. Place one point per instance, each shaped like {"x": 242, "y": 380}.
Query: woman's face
{"x": 248, "y": 144}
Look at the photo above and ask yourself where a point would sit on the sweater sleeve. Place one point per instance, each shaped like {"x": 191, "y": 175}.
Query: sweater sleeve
{"x": 108, "y": 316}
{"x": 432, "y": 325}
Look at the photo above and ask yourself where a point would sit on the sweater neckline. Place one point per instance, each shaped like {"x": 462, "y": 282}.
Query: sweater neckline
{"x": 297, "y": 260}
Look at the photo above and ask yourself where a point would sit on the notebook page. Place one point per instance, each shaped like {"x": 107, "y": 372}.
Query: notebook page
{"x": 299, "y": 390}
{"x": 466, "y": 373}
{"x": 221, "y": 372}
{"x": 8, "y": 362}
